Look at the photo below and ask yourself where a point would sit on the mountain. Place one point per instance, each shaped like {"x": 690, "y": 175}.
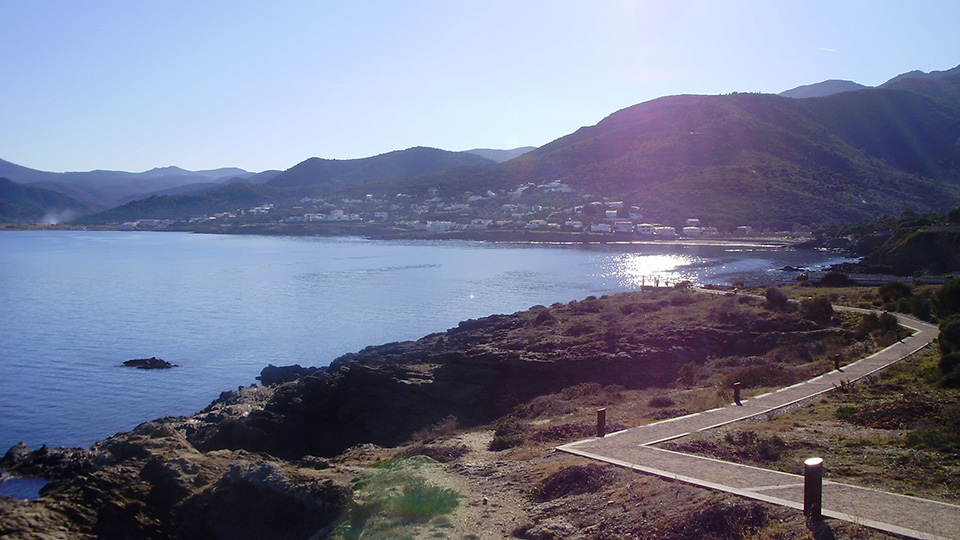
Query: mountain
{"x": 225, "y": 198}
{"x": 757, "y": 159}
{"x": 500, "y": 155}
{"x": 28, "y": 204}
{"x": 940, "y": 85}
{"x": 822, "y": 89}
{"x": 317, "y": 176}
{"x": 110, "y": 188}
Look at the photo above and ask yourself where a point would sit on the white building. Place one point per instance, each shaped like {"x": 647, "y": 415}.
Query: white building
{"x": 536, "y": 224}
{"x": 665, "y": 232}
{"x": 693, "y": 222}
{"x": 745, "y": 230}
{"x": 600, "y": 227}
{"x": 691, "y": 231}
{"x": 610, "y": 214}
{"x": 623, "y": 226}
{"x": 574, "y": 225}
{"x": 441, "y": 226}
{"x": 646, "y": 229}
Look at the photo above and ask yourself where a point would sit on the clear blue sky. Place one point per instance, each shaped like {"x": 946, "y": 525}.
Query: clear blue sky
{"x": 115, "y": 84}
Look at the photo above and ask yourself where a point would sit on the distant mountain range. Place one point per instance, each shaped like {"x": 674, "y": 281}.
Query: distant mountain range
{"x": 27, "y": 204}
{"x": 105, "y": 189}
{"x": 501, "y": 155}
{"x": 829, "y": 152}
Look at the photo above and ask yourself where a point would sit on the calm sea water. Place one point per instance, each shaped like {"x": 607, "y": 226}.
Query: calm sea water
{"x": 75, "y": 305}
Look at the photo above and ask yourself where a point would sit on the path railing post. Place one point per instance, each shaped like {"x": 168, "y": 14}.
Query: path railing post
{"x": 601, "y": 422}
{"x": 813, "y": 489}
{"x": 736, "y": 393}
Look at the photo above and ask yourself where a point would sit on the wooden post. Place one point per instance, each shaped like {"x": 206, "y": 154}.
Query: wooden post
{"x": 736, "y": 393}
{"x": 836, "y": 362}
{"x": 813, "y": 489}
{"x": 601, "y": 422}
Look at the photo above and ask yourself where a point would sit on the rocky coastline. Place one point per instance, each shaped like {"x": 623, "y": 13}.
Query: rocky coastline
{"x": 278, "y": 459}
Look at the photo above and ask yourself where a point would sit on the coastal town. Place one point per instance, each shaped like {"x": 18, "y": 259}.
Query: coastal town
{"x": 529, "y": 208}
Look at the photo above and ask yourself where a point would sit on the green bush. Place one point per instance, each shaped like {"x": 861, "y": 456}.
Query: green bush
{"x": 836, "y": 279}
{"x": 509, "y": 433}
{"x": 895, "y": 290}
{"x": 949, "y": 340}
{"x": 817, "y": 309}
{"x": 776, "y": 298}
{"x": 950, "y": 370}
{"x": 419, "y": 501}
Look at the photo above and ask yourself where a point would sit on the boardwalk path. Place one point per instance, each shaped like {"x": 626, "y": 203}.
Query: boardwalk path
{"x": 898, "y": 514}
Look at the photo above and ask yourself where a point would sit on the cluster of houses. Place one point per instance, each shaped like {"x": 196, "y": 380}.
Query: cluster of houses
{"x": 522, "y": 208}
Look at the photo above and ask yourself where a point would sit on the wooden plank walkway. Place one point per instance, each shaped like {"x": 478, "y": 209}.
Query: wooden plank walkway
{"x": 890, "y": 512}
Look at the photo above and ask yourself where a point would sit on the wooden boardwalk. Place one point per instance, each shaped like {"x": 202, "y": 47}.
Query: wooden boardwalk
{"x": 890, "y": 512}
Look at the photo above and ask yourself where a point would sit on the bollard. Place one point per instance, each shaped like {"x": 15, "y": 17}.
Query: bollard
{"x": 736, "y": 393}
{"x": 601, "y": 422}
{"x": 813, "y": 489}
{"x": 836, "y": 362}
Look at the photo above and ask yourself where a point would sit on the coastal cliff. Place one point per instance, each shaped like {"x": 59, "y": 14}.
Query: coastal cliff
{"x": 281, "y": 460}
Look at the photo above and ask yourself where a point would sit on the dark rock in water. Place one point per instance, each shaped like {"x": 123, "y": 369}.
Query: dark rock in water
{"x": 149, "y": 363}
{"x": 45, "y": 462}
{"x": 789, "y": 268}
{"x": 280, "y": 374}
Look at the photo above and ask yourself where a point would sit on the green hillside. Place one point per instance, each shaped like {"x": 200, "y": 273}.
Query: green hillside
{"x": 317, "y": 176}
{"x": 230, "y": 197}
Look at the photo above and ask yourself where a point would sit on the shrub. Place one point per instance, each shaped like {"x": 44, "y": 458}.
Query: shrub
{"x": 887, "y": 324}
{"x": 661, "y": 402}
{"x": 419, "y": 501}
{"x": 895, "y": 290}
{"x": 776, "y": 298}
{"x": 572, "y": 481}
{"x": 950, "y": 370}
{"x": 544, "y": 317}
{"x": 949, "y": 339}
{"x": 817, "y": 309}
{"x": 509, "y": 433}
{"x": 836, "y": 279}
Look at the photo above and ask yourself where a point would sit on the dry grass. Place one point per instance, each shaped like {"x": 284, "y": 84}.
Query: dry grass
{"x": 870, "y": 434}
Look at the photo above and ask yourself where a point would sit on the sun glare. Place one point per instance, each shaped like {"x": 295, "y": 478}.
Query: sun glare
{"x": 635, "y": 270}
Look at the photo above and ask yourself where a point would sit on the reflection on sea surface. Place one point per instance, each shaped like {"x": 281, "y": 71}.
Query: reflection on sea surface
{"x": 635, "y": 270}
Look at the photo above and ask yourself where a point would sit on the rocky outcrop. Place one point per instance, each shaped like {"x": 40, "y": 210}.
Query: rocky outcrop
{"x": 149, "y": 363}
{"x": 484, "y": 368}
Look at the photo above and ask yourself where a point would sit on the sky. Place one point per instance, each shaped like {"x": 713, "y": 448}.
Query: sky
{"x": 202, "y": 84}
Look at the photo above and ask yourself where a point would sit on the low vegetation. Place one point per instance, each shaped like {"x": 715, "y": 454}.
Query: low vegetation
{"x": 393, "y": 496}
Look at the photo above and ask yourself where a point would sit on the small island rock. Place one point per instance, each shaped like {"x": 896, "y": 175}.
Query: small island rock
{"x": 149, "y": 363}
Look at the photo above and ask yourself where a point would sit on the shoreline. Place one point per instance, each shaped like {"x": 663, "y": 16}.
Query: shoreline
{"x": 495, "y": 236}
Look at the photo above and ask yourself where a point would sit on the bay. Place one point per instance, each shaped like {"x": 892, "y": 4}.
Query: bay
{"x": 75, "y": 305}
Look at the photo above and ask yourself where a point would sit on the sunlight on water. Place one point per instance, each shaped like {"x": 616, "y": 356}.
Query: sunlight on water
{"x": 635, "y": 270}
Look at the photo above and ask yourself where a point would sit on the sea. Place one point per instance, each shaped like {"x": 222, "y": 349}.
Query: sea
{"x": 74, "y": 305}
